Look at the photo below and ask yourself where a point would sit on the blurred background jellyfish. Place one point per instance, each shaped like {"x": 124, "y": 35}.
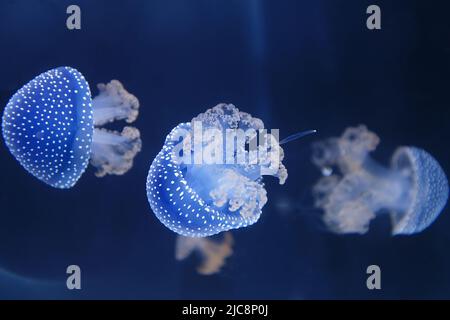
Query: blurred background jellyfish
{"x": 413, "y": 190}
{"x": 213, "y": 253}
{"x": 52, "y": 127}
{"x": 204, "y": 181}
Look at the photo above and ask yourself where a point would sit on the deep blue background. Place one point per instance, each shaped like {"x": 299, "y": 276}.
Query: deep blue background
{"x": 295, "y": 64}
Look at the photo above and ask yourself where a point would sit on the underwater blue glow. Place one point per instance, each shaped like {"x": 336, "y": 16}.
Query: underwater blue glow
{"x": 48, "y": 126}
{"x": 200, "y": 200}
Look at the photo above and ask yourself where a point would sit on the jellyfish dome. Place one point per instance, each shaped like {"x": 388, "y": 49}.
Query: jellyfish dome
{"x": 50, "y": 126}
{"x": 413, "y": 190}
{"x": 196, "y": 196}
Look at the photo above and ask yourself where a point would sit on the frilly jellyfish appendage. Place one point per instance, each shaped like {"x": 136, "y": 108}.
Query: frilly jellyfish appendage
{"x": 113, "y": 152}
{"x": 414, "y": 190}
{"x": 49, "y": 126}
{"x": 200, "y": 199}
{"x": 213, "y": 253}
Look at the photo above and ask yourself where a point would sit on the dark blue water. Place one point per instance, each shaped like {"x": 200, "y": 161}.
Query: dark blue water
{"x": 297, "y": 65}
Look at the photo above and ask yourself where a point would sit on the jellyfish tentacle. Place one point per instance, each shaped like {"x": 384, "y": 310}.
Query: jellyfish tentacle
{"x": 215, "y": 254}
{"x": 297, "y": 135}
{"x": 184, "y": 246}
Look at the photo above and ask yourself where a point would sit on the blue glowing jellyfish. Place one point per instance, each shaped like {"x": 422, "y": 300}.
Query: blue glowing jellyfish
{"x": 414, "y": 190}
{"x": 51, "y": 126}
{"x": 208, "y": 176}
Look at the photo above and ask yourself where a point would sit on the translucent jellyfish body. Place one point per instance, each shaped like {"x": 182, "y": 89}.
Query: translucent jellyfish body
{"x": 51, "y": 126}
{"x": 213, "y": 253}
{"x": 414, "y": 190}
{"x": 204, "y": 182}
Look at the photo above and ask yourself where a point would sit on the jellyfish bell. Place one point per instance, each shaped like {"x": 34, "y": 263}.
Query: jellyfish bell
{"x": 414, "y": 190}
{"x": 427, "y": 190}
{"x": 51, "y": 126}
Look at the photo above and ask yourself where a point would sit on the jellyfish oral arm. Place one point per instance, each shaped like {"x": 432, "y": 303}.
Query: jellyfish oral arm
{"x": 200, "y": 200}
{"x": 113, "y": 152}
{"x": 114, "y": 103}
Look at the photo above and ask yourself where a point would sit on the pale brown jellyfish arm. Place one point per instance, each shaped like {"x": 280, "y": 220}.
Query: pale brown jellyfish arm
{"x": 296, "y": 136}
{"x": 325, "y": 155}
{"x": 271, "y": 155}
{"x": 345, "y": 202}
{"x": 322, "y": 189}
{"x": 184, "y": 246}
{"x": 114, "y": 102}
{"x": 359, "y": 196}
{"x": 347, "y": 152}
{"x": 240, "y": 194}
{"x": 214, "y": 254}
{"x": 355, "y": 144}
{"x": 362, "y": 187}
{"x": 113, "y": 152}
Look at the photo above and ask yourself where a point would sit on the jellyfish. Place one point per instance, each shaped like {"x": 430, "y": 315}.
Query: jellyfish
{"x": 413, "y": 190}
{"x": 208, "y": 177}
{"x": 53, "y": 127}
{"x": 213, "y": 253}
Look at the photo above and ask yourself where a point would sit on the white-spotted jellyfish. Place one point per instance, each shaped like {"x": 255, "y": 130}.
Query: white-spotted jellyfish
{"x": 205, "y": 181}
{"x": 413, "y": 190}
{"x": 52, "y": 127}
{"x": 213, "y": 253}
